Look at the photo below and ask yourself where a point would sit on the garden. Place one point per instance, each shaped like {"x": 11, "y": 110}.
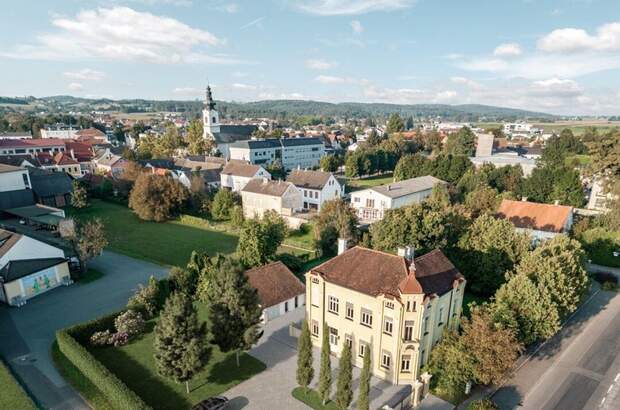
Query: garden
{"x": 13, "y": 395}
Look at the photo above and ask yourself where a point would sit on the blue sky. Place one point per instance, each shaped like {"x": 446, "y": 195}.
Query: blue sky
{"x": 558, "y": 56}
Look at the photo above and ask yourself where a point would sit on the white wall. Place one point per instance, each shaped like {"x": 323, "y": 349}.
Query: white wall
{"x": 275, "y": 311}
{"x": 29, "y": 248}
{"x": 13, "y": 181}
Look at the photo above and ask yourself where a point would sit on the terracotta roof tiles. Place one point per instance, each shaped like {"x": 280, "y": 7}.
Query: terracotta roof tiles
{"x": 275, "y": 283}
{"x": 532, "y": 215}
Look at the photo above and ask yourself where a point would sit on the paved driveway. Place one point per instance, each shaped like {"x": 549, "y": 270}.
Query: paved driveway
{"x": 27, "y": 333}
{"x": 272, "y": 388}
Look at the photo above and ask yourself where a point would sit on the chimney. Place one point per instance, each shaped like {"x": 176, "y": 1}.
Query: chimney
{"x": 342, "y": 245}
{"x": 556, "y": 202}
{"x": 407, "y": 252}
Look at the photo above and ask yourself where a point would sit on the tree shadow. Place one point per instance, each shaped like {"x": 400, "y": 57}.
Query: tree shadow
{"x": 507, "y": 398}
{"x": 237, "y": 403}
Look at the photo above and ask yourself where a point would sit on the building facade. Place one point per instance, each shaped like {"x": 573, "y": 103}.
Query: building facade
{"x": 370, "y": 204}
{"x": 540, "y": 221}
{"x": 262, "y": 195}
{"x": 299, "y": 152}
{"x": 393, "y": 307}
{"x": 316, "y": 187}
{"x": 236, "y": 175}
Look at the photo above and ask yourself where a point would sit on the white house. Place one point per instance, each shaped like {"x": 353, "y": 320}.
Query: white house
{"x": 371, "y": 204}
{"x": 13, "y": 178}
{"x": 29, "y": 267}
{"x": 236, "y": 174}
{"x": 316, "y": 187}
{"x": 278, "y": 289}
{"x": 298, "y": 152}
{"x": 541, "y": 221}
{"x": 262, "y": 195}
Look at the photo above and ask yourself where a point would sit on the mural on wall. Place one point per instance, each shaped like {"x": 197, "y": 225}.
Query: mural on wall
{"x": 40, "y": 282}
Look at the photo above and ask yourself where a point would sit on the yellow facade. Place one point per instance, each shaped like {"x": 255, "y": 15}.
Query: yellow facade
{"x": 400, "y": 334}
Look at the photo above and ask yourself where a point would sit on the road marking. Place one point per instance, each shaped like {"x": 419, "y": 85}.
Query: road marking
{"x": 612, "y": 392}
{"x": 617, "y": 376}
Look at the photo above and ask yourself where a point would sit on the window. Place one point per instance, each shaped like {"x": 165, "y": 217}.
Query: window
{"x": 356, "y": 199}
{"x": 440, "y": 316}
{"x": 349, "y": 311}
{"x": 315, "y": 328}
{"x": 286, "y": 306}
{"x": 305, "y": 192}
{"x": 332, "y": 305}
{"x": 25, "y": 176}
{"x": 316, "y": 295}
{"x": 389, "y": 305}
{"x": 366, "y": 318}
{"x": 385, "y": 360}
{"x": 370, "y": 203}
{"x": 405, "y": 364}
{"x": 315, "y": 280}
{"x": 333, "y": 336}
{"x": 425, "y": 326}
{"x": 296, "y": 302}
{"x": 387, "y": 325}
{"x": 408, "y": 334}
{"x": 349, "y": 341}
{"x": 363, "y": 346}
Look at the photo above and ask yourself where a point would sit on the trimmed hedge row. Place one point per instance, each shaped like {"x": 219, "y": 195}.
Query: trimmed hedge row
{"x": 71, "y": 343}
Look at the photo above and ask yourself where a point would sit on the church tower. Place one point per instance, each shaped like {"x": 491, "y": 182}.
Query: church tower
{"x": 210, "y": 117}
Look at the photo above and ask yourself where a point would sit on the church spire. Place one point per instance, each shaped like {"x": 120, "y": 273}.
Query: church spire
{"x": 209, "y": 101}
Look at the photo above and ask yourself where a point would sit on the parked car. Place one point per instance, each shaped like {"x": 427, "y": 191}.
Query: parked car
{"x": 212, "y": 403}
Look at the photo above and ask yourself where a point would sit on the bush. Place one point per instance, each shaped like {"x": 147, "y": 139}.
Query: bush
{"x": 120, "y": 339}
{"x": 482, "y": 404}
{"x": 610, "y": 286}
{"x": 150, "y": 298}
{"x": 130, "y": 323}
{"x": 117, "y": 393}
{"x": 293, "y": 262}
{"x": 101, "y": 338}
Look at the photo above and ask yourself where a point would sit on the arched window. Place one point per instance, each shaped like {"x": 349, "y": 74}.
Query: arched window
{"x": 213, "y": 120}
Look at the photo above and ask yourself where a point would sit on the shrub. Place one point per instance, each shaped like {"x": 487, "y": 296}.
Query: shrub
{"x": 610, "y": 286}
{"x": 120, "y": 339}
{"x": 147, "y": 298}
{"x": 293, "y": 262}
{"x": 130, "y": 323}
{"x": 101, "y": 338}
{"x": 482, "y": 404}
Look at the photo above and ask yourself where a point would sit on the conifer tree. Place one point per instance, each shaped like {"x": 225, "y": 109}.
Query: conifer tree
{"x": 363, "y": 401}
{"x": 234, "y": 310}
{"x": 305, "y": 371}
{"x": 344, "y": 391}
{"x": 325, "y": 377}
{"x": 179, "y": 346}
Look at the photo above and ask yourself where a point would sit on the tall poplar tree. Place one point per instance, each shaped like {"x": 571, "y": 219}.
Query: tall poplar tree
{"x": 179, "y": 346}
{"x": 344, "y": 390}
{"x": 325, "y": 377}
{"x": 305, "y": 370}
{"x": 363, "y": 400}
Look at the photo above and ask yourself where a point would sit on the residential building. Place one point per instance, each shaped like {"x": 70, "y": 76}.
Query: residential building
{"x": 540, "y": 221}
{"x": 298, "y": 152}
{"x": 316, "y": 187}
{"x": 29, "y": 267}
{"x": 107, "y": 162}
{"x": 59, "y": 162}
{"x": 371, "y": 204}
{"x": 15, "y": 187}
{"x": 278, "y": 289}
{"x": 393, "y": 307}
{"x": 599, "y": 200}
{"x": 222, "y": 135}
{"x": 262, "y": 195}
{"x": 51, "y": 188}
{"x": 31, "y": 146}
{"x": 236, "y": 174}
{"x": 19, "y": 135}
{"x": 256, "y": 151}
{"x": 506, "y": 159}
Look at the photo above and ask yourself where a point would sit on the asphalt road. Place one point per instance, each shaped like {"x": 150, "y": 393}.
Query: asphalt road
{"x": 579, "y": 368}
{"x": 26, "y": 333}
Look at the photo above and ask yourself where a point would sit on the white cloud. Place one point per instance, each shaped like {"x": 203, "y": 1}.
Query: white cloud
{"x": 168, "y": 2}
{"x": 258, "y": 22}
{"x": 85, "y": 74}
{"x": 241, "y": 86}
{"x": 572, "y": 40}
{"x": 466, "y": 82}
{"x": 329, "y": 79}
{"x": 188, "y": 91}
{"x": 507, "y": 50}
{"x": 75, "y": 87}
{"x": 556, "y": 87}
{"x": 350, "y": 7}
{"x": 320, "y": 64}
{"x": 121, "y": 33}
{"x": 357, "y": 27}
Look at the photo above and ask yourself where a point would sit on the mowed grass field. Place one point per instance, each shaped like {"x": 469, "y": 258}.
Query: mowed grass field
{"x": 13, "y": 396}
{"x": 578, "y": 127}
{"x": 134, "y": 364}
{"x": 357, "y": 184}
{"x": 167, "y": 243}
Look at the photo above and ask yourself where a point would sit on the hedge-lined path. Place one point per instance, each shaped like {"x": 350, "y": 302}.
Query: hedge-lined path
{"x": 26, "y": 333}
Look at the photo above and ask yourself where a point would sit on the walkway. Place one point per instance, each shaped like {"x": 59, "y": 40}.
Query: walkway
{"x": 28, "y": 332}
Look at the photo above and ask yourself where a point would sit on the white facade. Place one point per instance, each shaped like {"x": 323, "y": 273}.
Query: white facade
{"x": 29, "y": 248}
{"x": 61, "y": 134}
{"x": 255, "y": 204}
{"x": 282, "y": 308}
{"x": 258, "y": 156}
{"x": 371, "y": 205}
{"x": 302, "y": 156}
{"x": 237, "y": 182}
{"x": 14, "y": 180}
{"x": 314, "y": 198}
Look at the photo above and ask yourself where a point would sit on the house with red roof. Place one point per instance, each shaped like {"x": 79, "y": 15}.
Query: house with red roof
{"x": 541, "y": 221}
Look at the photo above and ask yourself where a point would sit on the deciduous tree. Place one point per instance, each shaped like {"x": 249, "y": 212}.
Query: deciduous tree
{"x": 157, "y": 197}
{"x": 223, "y": 202}
{"x": 79, "y": 196}
{"x": 89, "y": 241}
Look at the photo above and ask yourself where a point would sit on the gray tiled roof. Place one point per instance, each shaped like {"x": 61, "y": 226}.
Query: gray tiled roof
{"x": 408, "y": 186}
{"x": 308, "y": 179}
{"x": 267, "y": 187}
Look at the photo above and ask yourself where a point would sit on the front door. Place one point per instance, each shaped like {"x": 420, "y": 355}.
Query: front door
{"x": 333, "y": 340}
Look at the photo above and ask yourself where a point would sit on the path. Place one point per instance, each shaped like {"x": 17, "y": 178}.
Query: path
{"x": 28, "y": 332}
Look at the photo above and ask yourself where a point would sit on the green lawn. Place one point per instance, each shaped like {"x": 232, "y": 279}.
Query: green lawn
{"x": 168, "y": 243}
{"x": 302, "y": 238}
{"x": 311, "y": 398}
{"x": 357, "y": 184}
{"x": 600, "y": 244}
{"x": 13, "y": 396}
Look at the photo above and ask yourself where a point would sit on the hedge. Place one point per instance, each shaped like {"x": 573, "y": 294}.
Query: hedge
{"x": 71, "y": 343}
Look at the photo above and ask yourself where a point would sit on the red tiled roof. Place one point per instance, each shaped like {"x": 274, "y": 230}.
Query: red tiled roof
{"x": 275, "y": 283}
{"x": 532, "y": 215}
{"x": 63, "y": 159}
{"x": 91, "y": 132}
{"x": 374, "y": 272}
{"x": 37, "y": 142}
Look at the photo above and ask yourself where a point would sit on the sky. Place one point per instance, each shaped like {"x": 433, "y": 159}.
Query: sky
{"x": 555, "y": 56}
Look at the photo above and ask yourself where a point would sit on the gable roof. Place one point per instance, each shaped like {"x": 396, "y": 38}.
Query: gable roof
{"x": 275, "y": 283}
{"x": 532, "y": 215}
{"x": 408, "y": 186}
{"x": 240, "y": 169}
{"x": 267, "y": 187}
{"x": 374, "y": 272}
{"x": 309, "y": 179}
{"x": 18, "y": 159}
{"x": 47, "y": 183}
{"x": 19, "y": 268}
{"x": 9, "y": 168}
{"x": 36, "y": 142}
{"x": 63, "y": 159}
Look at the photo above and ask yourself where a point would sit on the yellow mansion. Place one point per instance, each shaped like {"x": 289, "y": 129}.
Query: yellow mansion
{"x": 396, "y": 307}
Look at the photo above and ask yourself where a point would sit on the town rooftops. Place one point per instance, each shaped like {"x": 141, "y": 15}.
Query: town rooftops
{"x": 375, "y": 273}
{"x": 293, "y": 142}
{"x": 264, "y": 186}
{"x": 31, "y": 143}
{"x": 408, "y": 186}
{"x": 532, "y": 215}
{"x": 240, "y": 169}
{"x": 275, "y": 283}
{"x": 63, "y": 159}
{"x": 9, "y": 168}
{"x": 18, "y": 160}
{"x": 308, "y": 179}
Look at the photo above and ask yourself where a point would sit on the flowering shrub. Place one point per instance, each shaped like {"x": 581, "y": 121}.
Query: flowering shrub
{"x": 101, "y": 338}
{"x": 119, "y": 339}
{"x": 130, "y": 322}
